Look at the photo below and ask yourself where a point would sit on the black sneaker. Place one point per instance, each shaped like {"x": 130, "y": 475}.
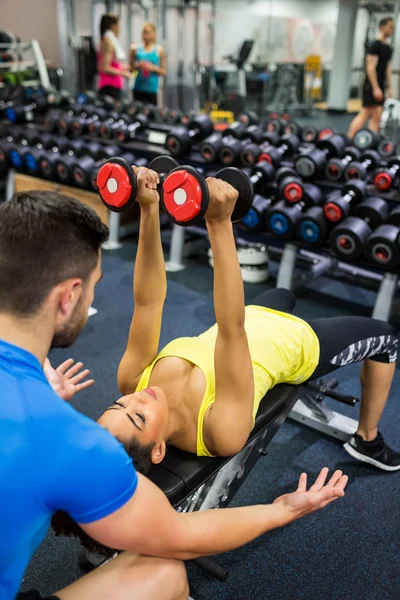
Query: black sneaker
{"x": 375, "y": 453}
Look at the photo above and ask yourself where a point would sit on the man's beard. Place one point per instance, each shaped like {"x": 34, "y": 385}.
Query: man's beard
{"x": 67, "y": 336}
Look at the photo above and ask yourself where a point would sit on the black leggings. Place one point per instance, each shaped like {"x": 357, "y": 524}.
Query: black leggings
{"x": 145, "y": 97}
{"x": 343, "y": 340}
{"x": 109, "y": 90}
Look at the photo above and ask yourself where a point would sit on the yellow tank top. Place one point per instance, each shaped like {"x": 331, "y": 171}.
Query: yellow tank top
{"x": 283, "y": 349}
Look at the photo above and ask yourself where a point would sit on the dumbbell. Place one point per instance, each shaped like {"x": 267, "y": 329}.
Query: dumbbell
{"x": 183, "y": 190}
{"x": 16, "y": 153}
{"x": 365, "y": 139}
{"x": 276, "y": 125}
{"x": 125, "y": 132}
{"x": 24, "y": 112}
{"x": 210, "y": 147}
{"x": 105, "y": 130}
{"x": 283, "y": 218}
{"x": 248, "y": 118}
{"x": 386, "y": 177}
{"x": 288, "y": 145}
{"x": 66, "y": 162}
{"x": 334, "y": 170}
{"x": 82, "y": 173}
{"x": 230, "y": 150}
{"x": 348, "y": 239}
{"x": 188, "y": 116}
{"x": 31, "y": 155}
{"x": 306, "y": 133}
{"x": 311, "y": 165}
{"x": 255, "y": 220}
{"x": 386, "y": 148}
{"x": 151, "y": 112}
{"x": 262, "y": 173}
{"x": 370, "y": 160}
{"x": 252, "y": 153}
{"x": 48, "y": 158}
{"x": 80, "y": 125}
{"x": 340, "y": 203}
{"x": 293, "y": 189}
{"x": 313, "y": 227}
{"x": 179, "y": 142}
{"x": 383, "y": 245}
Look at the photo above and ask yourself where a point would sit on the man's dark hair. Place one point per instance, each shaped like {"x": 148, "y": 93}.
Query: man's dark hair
{"x": 63, "y": 524}
{"x": 385, "y": 21}
{"x": 107, "y": 20}
{"x": 45, "y": 238}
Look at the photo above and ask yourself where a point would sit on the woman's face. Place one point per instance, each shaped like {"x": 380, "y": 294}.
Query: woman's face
{"x": 115, "y": 28}
{"x": 148, "y": 34}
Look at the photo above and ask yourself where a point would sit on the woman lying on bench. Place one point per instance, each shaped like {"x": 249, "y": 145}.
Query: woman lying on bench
{"x": 201, "y": 394}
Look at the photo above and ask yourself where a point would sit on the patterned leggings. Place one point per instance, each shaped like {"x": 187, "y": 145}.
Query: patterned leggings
{"x": 343, "y": 340}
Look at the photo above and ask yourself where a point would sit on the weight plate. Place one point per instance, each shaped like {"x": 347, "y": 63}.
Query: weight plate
{"x": 185, "y": 195}
{"x": 117, "y": 185}
{"x": 242, "y": 184}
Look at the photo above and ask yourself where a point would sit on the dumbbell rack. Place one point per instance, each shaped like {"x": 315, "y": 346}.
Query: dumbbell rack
{"x": 38, "y": 62}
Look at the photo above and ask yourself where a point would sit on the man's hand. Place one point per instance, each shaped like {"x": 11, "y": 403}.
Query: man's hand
{"x": 377, "y": 94}
{"x": 222, "y": 200}
{"x": 147, "y": 181}
{"x": 66, "y": 380}
{"x": 302, "y": 502}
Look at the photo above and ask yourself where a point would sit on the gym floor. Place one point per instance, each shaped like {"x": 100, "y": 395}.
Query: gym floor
{"x": 349, "y": 550}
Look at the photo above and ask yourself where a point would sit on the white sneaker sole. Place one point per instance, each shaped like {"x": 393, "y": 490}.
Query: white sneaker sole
{"x": 367, "y": 459}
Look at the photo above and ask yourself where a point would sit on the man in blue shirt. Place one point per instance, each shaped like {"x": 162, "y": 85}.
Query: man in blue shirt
{"x": 53, "y": 458}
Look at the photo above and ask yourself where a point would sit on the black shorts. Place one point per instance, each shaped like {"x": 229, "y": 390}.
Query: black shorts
{"x": 34, "y": 595}
{"x": 343, "y": 340}
{"x": 109, "y": 90}
{"x": 145, "y": 97}
{"x": 368, "y": 100}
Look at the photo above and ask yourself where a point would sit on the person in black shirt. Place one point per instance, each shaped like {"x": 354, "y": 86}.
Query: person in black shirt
{"x": 378, "y": 79}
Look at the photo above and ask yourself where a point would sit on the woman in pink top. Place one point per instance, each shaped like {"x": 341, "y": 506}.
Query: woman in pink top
{"x": 112, "y": 69}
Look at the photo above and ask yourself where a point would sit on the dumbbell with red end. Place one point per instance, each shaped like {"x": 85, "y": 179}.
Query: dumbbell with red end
{"x": 81, "y": 125}
{"x": 311, "y": 165}
{"x": 125, "y": 132}
{"x": 248, "y": 118}
{"x": 181, "y": 139}
{"x": 231, "y": 149}
{"x": 334, "y": 170}
{"x": 293, "y": 189}
{"x": 348, "y": 239}
{"x": 383, "y": 245}
{"x": 388, "y": 177}
{"x": 288, "y": 145}
{"x": 276, "y": 125}
{"x": 386, "y": 148}
{"x": 66, "y": 162}
{"x": 283, "y": 218}
{"x": 252, "y": 153}
{"x": 117, "y": 183}
{"x": 340, "y": 203}
{"x": 210, "y": 147}
{"x": 370, "y": 160}
{"x": 105, "y": 130}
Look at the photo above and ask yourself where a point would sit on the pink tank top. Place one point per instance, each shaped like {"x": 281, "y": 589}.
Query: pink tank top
{"x": 116, "y": 81}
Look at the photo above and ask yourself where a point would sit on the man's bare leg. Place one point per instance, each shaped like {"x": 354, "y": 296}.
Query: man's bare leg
{"x": 359, "y": 121}
{"x": 131, "y": 576}
{"x": 375, "y": 120}
{"x": 376, "y": 379}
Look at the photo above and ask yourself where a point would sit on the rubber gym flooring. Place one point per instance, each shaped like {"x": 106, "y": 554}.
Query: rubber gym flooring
{"x": 349, "y": 550}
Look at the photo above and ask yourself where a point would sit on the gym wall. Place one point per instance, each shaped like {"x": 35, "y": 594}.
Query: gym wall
{"x": 33, "y": 19}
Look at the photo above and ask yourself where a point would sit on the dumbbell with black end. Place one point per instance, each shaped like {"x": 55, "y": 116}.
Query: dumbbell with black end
{"x": 388, "y": 177}
{"x": 382, "y": 248}
{"x": 252, "y": 153}
{"x": 306, "y": 133}
{"x": 261, "y": 174}
{"x": 334, "y": 170}
{"x": 348, "y": 239}
{"x": 370, "y": 160}
{"x": 47, "y": 159}
{"x": 339, "y": 204}
{"x": 230, "y": 150}
{"x": 365, "y": 139}
{"x": 288, "y": 145}
{"x": 211, "y": 145}
{"x": 283, "y": 217}
{"x": 276, "y": 125}
{"x": 83, "y": 172}
{"x": 125, "y": 132}
{"x": 248, "y": 118}
{"x": 311, "y": 165}
{"x": 179, "y": 142}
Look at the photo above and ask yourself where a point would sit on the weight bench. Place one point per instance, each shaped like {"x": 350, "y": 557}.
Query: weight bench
{"x": 199, "y": 483}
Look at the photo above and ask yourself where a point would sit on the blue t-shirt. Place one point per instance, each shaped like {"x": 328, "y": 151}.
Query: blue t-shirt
{"x": 51, "y": 458}
{"x": 147, "y": 83}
